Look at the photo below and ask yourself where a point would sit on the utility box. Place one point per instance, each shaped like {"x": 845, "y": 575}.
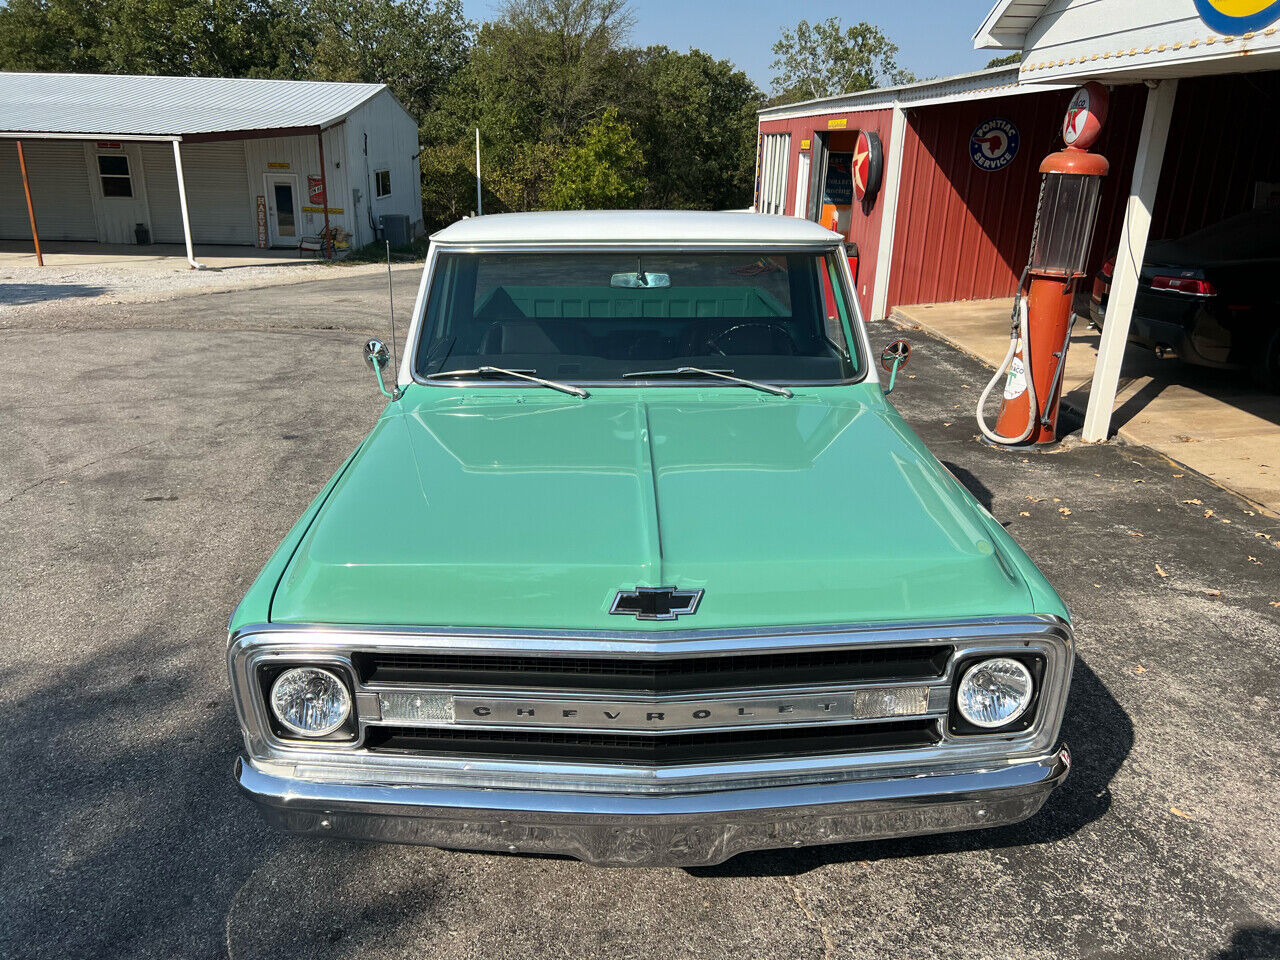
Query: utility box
{"x": 395, "y": 229}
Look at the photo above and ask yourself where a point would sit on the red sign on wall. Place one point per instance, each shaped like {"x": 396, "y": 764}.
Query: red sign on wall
{"x": 315, "y": 189}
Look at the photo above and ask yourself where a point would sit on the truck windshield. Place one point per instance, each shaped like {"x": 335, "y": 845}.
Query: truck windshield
{"x": 587, "y": 317}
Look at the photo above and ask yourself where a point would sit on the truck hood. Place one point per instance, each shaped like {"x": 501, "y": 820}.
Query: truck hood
{"x": 523, "y": 509}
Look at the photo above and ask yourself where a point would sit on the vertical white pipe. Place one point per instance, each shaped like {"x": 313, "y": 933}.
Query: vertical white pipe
{"x": 182, "y": 201}
{"x": 479, "y": 199}
{"x": 1133, "y": 248}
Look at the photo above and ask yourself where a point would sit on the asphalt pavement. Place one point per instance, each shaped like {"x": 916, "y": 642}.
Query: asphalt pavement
{"x": 152, "y": 456}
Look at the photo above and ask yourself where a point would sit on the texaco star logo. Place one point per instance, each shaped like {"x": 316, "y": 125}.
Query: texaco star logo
{"x": 861, "y": 167}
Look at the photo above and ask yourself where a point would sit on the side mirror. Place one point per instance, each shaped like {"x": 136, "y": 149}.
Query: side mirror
{"x": 895, "y": 355}
{"x": 378, "y": 356}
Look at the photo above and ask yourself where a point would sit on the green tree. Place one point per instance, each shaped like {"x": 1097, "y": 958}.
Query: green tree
{"x": 231, "y": 38}
{"x": 413, "y": 46}
{"x": 1004, "y": 61}
{"x": 695, "y": 119}
{"x": 601, "y": 169}
{"x": 824, "y": 59}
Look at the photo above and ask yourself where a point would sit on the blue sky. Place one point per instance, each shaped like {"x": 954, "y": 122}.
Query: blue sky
{"x": 934, "y": 35}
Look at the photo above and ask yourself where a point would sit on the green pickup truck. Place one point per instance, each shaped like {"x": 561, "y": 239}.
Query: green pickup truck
{"x": 638, "y": 565}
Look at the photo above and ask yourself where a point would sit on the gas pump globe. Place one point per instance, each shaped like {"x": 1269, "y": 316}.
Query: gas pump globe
{"x": 1040, "y": 332}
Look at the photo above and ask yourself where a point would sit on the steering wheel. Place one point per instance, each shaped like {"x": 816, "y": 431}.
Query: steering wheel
{"x": 714, "y": 342}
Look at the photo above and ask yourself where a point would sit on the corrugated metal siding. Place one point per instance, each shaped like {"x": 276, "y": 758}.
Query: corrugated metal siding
{"x": 158, "y": 106}
{"x": 963, "y": 233}
{"x": 864, "y": 229}
{"x": 1224, "y": 138}
{"x": 162, "y": 193}
{"x": 59, "y": 190}
{"x": 218, "y": 192}
{"x": 302, "y": 154}
{"x": 392, "y": 145}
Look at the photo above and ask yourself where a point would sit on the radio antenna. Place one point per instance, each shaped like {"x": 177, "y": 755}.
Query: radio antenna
{"x": 391, "y": 303}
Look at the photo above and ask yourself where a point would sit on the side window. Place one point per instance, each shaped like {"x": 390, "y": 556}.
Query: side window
{"x": 113, "y": 171}
{"x": 382, "y": 183}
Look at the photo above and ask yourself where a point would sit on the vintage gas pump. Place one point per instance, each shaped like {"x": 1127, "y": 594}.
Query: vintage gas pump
{"x": 1040, "y": 329}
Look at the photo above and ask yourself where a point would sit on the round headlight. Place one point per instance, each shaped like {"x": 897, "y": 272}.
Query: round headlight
{"x": 310, "y": 702}
{"x": 994, "y": 692}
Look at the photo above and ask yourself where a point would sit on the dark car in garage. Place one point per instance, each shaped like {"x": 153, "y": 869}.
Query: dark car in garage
{"x": 1211, "y": 298}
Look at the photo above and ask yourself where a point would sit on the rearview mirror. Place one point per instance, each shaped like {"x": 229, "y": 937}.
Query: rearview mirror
{"x": 640, "y": 281}
{"x": 895, "y": 355}
{"x": 378, "y": 356}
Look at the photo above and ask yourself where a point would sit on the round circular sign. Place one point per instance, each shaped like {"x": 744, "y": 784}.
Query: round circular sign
{"x": 1086, "y": 112}
{"x": 868, "y": 167}
{"x": 994, "y": 144}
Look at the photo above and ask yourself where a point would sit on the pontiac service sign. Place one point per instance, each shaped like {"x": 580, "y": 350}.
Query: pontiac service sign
{"x": 994, "y": 144}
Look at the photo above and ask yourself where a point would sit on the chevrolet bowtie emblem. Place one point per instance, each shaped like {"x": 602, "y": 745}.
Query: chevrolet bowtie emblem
{"x": 656, "y": 603}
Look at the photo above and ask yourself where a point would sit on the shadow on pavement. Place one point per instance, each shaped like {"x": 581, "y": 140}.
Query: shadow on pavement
{"x": 19, "y": 294}
{"x": 1095, "y": 726}
{"x": 1251, "y": 943}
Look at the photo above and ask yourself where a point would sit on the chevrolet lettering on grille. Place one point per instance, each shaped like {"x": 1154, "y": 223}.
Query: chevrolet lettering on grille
{"x": 869, "y": 704}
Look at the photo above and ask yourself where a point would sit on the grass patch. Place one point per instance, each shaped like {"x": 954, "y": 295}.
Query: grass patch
{"x": 376, "y": 252}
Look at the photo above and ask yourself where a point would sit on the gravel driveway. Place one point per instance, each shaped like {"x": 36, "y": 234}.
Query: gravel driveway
{"x": 152, "y": 457}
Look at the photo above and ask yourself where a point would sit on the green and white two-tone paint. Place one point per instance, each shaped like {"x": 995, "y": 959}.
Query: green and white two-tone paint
{"x": 593, "y": 404}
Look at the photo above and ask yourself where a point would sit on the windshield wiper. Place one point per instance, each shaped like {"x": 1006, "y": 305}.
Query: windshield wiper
{"x": 719, "y": 374}
{"x": 518, "y": 374}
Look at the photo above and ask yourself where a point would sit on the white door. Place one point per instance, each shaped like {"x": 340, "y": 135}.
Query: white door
{"x": 284, "y": 210}
{"x": 802, "y": 187}
{"x": 119, "y": 191}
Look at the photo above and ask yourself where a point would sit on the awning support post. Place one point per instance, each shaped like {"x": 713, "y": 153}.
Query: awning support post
{"x": 1133, "y": 248}
{"x": 327, "y": 245}
{"x": 31, "y": 210}
{"x": 182, "y": 202}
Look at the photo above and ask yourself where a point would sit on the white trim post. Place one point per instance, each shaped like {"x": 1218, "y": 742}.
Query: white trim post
{"x": 182, "y": 201}
{"x": 888, "y": 213}
{"x": 1129, "y": 257}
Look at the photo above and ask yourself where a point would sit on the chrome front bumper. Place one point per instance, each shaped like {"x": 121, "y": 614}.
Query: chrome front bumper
{"x": 672, "y": 830}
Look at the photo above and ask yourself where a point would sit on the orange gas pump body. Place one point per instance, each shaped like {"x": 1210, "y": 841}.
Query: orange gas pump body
{"x": 1049, "y": 306}
{"x": 1048, "y": 316}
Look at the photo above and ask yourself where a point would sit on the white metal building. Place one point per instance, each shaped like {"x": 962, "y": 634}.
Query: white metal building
{"x": 111, "y": 159}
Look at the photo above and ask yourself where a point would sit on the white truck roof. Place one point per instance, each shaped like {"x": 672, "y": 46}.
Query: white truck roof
{"x": 636, "y": 227}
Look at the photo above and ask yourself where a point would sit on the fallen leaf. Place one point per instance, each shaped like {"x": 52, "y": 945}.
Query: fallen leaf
{"x": 1139, "y": 669}
{"x": 1139, "y": 480}
{"x": 1197, "y": 501}
{"x": 1099, "y": 586}
{"x": 1178, "y": 813}
{"x": 1135, "y": 533}
{"x": 1210, "y": 592}
{"x": 965, "y": 386}
{"x": 1057, "y": 499}
{"x": 946, "y": 423}
{"x": 1065, "y": 511}
{"x": 1275, "y": 603}
{"x": 1179, "y": 476}
{"x": 1224, "y": 519}
{"x": 1255, "y": 560}
{"x": 1208, "y": 514}
{"x": 1023, "y": 513}
{"x": 1035, "y": 499}
{"x": 1160, "y": 570}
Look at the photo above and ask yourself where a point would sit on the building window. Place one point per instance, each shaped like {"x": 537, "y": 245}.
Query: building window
{"x": 113, "y": 171}
{"x": 382, "y": 183}
{"x": 773, "y": 172}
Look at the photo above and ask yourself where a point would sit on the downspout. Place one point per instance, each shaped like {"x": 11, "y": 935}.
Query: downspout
{"x": 31, "y": 210}
{"x": 182, "y": 201}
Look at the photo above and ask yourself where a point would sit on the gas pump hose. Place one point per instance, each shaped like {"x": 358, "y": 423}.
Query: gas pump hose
{"x": 1017, "y": 332}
